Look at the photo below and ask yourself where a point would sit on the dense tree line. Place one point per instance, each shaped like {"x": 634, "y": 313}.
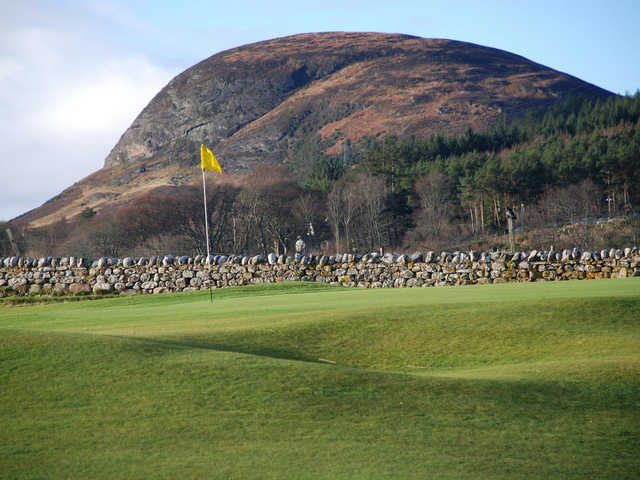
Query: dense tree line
{"x": 559, "y": 171}
{"x": 459, "y": 186}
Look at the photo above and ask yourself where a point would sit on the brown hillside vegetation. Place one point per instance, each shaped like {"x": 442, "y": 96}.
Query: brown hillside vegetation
{"x": 258, "y": 104}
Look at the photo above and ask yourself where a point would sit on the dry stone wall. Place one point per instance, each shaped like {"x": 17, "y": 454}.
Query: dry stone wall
{"x": 78, "y": 276}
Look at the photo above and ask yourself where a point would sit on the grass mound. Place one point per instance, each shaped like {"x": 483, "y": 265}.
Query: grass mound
{"x": 506, "y": 381}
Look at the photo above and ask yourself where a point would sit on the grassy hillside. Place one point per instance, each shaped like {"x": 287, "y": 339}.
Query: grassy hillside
{"x": 308, "y": 381}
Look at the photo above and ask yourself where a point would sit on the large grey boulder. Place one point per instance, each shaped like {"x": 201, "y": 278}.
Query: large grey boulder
{"x": 389, "y": 258}
{"x": 149, "y": 285}
{"x": 586, "y": 257}
{"x": 416, "y": 257}
{"x": 402, "y": 259}
{"x": 100, "y": 288}
{"x": 17, "y": 282}
{"x": 255, "y": 260}
{"x": 445, "y": 257}
{"x": 373, "y": 257}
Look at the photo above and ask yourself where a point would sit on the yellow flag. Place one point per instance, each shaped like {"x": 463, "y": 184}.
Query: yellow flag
{"x": 208, "y": 160}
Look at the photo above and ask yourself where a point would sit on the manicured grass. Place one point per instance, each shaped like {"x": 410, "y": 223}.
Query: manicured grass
{"x": 309, "y": 381}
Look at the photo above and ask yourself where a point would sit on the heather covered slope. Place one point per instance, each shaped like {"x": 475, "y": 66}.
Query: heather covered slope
{"x": 255, "y": 102}
{"x": 268, "y": 101}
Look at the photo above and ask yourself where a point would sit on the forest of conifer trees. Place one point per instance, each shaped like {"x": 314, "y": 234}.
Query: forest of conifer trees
{"x": 571, "y": 175}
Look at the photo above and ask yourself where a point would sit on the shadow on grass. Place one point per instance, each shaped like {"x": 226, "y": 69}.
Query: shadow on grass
{"x": 190, "y": 344}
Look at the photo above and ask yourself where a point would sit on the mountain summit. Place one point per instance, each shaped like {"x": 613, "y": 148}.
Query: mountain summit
{"x": 263, "y": 102}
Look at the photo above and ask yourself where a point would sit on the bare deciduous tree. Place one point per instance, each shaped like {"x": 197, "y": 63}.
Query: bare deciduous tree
{"x": 334, "y": 212}
{"x": 434, "y": 194}
{"x": 571, "y": 210}
{"x": 371, "y": 191}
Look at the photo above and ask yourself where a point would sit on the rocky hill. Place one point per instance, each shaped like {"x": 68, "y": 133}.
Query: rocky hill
{"x": 263, "y": 102}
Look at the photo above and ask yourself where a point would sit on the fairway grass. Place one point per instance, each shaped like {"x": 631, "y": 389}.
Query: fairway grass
{"x": 310, "y": 381}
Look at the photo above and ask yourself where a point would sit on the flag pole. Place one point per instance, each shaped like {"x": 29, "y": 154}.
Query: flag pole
{"x": 206, "y": 220}
{"x": 206, "y": 227}
{"x": 207, "y": 162}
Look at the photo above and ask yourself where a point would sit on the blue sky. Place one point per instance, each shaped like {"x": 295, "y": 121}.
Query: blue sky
{"x": 75, "y": 74}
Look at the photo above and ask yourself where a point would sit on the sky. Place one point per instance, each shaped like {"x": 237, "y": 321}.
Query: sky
{"x": 75, "y": 74}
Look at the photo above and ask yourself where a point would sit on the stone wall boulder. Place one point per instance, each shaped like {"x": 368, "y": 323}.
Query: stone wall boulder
{"x": 72, "y": 275}
{"x": 102, "y": 287}
{"x": 79, "y": 288}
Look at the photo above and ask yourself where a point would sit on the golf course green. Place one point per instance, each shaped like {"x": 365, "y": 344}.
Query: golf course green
{"x": 309, "y": 381}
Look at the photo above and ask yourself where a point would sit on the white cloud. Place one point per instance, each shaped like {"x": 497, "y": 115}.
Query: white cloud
{"x": 9, "y": 67}
{"x": 107, "y": 102}
{"x": 67, "y": 93}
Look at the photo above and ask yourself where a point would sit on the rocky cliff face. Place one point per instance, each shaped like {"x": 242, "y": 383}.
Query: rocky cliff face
{"x": 261, "y": 103}
{"x": 254, "y": 103}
